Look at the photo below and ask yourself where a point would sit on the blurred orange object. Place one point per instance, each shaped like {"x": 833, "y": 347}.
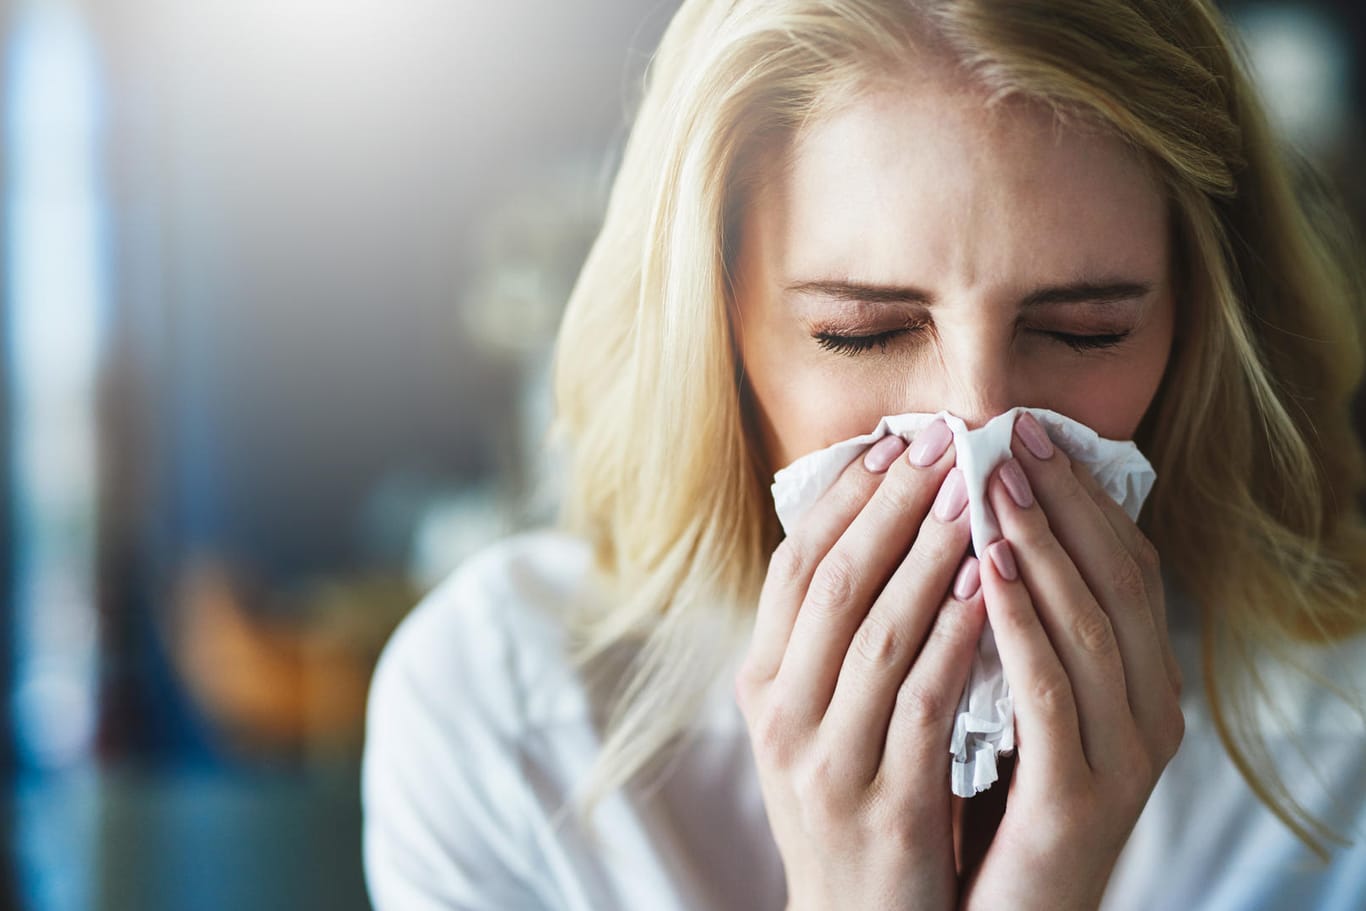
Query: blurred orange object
{"x": 272, "y": 684}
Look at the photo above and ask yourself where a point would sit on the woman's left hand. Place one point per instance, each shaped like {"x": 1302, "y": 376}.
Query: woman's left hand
{"x": 1074, "y": 595}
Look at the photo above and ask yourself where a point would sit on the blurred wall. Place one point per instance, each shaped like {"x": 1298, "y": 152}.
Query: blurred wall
{"x": 301, "y": 193}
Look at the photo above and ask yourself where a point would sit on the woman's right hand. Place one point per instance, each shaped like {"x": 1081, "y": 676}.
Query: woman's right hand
{"x": 866, "y": 628}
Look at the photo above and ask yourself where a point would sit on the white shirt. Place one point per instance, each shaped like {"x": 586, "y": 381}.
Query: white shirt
{"x": 478, "y": 729}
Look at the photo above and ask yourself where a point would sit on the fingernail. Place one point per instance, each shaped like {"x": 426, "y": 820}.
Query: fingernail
{"x": 1034, "y": 436}
{"x": 1017, "y": 485}
{"x": 969, "y": 580}
{"x": 1004, "y": 558}
{"x": 930, "y": 444}
{"x": 953, "y": 496}
{"x": 883, "y": 453}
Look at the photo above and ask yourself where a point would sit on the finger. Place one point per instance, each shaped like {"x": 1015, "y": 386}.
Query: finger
{"x": 1109, "y": 570}
{"x": 926, "y": 700}
{"x": 1047, "y": 735}
{"x": 1149, "y": 562}
{"x": 794, "y": 562}
{"x": 850, "y": 576}
{"x": 1037, "y": 442}
{"x": 1082, "y": 635}
{"x": 894, "y": 630}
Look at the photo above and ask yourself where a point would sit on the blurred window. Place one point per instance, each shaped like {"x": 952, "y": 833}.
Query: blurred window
{"x": 54, "y": 308}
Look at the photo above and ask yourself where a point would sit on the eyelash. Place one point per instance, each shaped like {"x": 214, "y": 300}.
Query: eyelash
{"x": 857, "y": 344}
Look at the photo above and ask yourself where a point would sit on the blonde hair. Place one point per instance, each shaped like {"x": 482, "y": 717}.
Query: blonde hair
{"x": 1255, "y": 509}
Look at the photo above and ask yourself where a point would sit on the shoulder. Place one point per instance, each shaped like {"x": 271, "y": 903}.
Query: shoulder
{"x": 447, "y": 813}
{"x": 479, "y": 633}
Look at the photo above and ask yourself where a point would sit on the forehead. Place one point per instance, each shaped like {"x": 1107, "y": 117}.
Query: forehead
{"x": 917, "y": 181}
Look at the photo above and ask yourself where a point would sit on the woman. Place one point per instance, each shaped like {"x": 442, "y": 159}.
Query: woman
{"x": 829, "y": 212}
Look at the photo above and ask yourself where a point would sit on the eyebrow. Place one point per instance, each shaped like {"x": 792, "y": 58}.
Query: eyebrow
{"x": 1107, "y": 292}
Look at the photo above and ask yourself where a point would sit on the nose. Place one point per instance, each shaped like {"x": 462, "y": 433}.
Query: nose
{"x": 976, "y": 380}
{"x": 977, "y": 402}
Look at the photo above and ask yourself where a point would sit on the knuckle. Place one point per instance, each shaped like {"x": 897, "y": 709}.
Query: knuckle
{"x": 951, "y": 626}
{"x": 1093, "y": 630}
{"x": 920, "y": 705}
{"x": 1128, "y": 580}
{"x": 1149, "y": 561}
{"x": 833, "y": 584}
{"x": 898, "y": 494}
{"x": 1171, "y": 731}
{"x": 1035, "y": 533}
{"x": 818, "y": 783}
{"x": 939, "y": 543}
{"x": 1018, "y": 614}
{"x": 877, "y": 642}
{"x": 1053, "y": 695}
{"x": 772, "y": 733}
{"x": 1083, "y": 475}
{"x": 789, "y": 562}
{"x": 1071, "y": 490}
{"x": 920, "y": 560}
{"x": 854, "y": 489}
{"x": 935, "y": 545}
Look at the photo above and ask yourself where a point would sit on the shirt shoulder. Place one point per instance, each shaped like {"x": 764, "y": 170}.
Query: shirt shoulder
{"x": 497, "y": 620}
{"x": 452, "y": 695}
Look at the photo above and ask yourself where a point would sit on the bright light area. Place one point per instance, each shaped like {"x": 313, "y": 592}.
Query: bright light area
{"x": 1302, "y": 67}
{"x": 54, "y": 278}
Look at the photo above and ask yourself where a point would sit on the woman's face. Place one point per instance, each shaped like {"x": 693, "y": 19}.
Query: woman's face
{"x": 918, "y": 256}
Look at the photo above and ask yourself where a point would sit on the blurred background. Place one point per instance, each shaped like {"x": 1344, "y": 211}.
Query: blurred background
{"x": 281, "y": 279}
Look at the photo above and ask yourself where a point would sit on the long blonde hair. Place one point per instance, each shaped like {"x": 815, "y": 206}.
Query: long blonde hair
{"x": 1255, "y": 510}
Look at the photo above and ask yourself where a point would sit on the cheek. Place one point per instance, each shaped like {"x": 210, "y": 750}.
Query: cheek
{"x": 802, "y": 409}
{"x": 1107, "y": 408}
{"x": 1112, "y": 398}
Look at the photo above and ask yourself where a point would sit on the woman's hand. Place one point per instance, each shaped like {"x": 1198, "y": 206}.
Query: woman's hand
{"x": 1074, "y": 595}
{"x": 850, "y": 687}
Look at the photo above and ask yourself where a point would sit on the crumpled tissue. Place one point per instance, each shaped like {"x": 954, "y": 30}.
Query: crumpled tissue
{"x": 985, "y": 724}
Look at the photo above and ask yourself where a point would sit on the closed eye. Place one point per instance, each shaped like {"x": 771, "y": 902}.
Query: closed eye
{"x": 1089, "y": 342}
{"x": 858, "y": 344}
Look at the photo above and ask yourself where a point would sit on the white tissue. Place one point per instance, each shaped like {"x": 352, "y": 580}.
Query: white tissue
{"x": 985, "y": 726}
